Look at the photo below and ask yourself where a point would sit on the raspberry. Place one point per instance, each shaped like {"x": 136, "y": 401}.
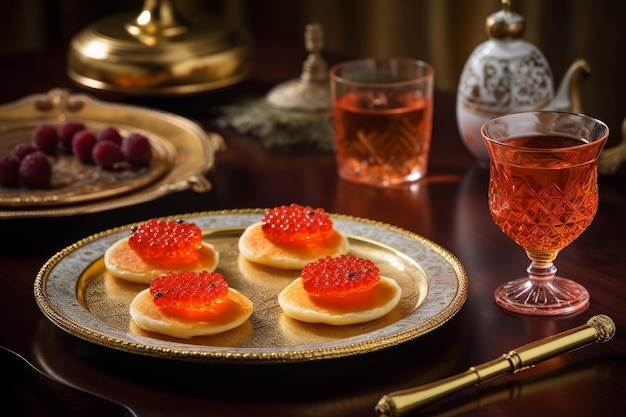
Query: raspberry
{"x": 9, "y": 171}
{"x": 136, "y": 150}
{"x": 82, "y": 145}
{"x": 161, "y": 239}
{"x": 110, "y": 133}
{"x": 22, "y": 149}
{"x": 35, "y": 170}
{"x": 106, "y": 154}
{"x": 341, "y": 276}
{"x": 67, "y": 131}
{"x": 297, "y": 224}
{"x": 46, "y": 138}
{"x": 189, "y": 293}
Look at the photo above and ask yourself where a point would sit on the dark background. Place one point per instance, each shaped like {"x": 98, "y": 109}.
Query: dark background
{"x": 443, "y": 32}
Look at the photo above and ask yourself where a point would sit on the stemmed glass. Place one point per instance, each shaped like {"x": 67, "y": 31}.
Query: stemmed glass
{"x": 543, "y": 194}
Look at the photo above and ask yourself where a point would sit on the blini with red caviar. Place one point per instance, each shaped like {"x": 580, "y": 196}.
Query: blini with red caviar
{"x": 289, "y": 237}
{"x": 189, "y": 304}
{"x": 159, "y": 246}
{"x": 340, "y": 291}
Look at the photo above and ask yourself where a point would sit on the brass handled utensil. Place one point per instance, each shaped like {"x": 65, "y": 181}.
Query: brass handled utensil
{"x": 598, "y": 329}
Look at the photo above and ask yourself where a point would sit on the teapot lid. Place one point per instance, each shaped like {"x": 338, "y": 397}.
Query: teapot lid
{"x": 505, "y": 24}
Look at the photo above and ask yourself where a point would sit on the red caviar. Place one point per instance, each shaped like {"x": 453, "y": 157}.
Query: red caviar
{"x": 297, "y": 224}
{"x": 165, "y": 239}
{"x": 189, "y": 293}
{"x": 341, "y": 276}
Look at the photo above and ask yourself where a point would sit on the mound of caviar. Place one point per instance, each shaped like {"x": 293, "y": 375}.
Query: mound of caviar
{"x": 297, "y": 224}
{"x": 165, "y": 239}
{"x": 341, "y": 276}
{"x": 189, "y": 292}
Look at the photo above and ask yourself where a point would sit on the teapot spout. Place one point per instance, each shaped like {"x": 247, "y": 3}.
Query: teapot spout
{"x": 568, "y": 96}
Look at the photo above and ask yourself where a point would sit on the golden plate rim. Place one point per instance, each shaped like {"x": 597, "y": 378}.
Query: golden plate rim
{"x": 164, "y": 155}
{"x": 55, "y": 294}
{"x": 190, "y": 150}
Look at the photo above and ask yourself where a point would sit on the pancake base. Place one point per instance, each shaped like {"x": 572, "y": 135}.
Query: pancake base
{"x": 148, "y": 316}
{"x": 124, "y": 263}
{"x": 255, "y": 247}
{"x": 357, "y": 308}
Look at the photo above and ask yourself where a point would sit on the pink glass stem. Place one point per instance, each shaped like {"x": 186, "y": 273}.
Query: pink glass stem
{"x": 542, "y": 293}
{"x": 544, "y": 271}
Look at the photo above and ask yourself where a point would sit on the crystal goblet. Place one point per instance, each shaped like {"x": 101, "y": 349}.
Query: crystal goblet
{"x": 543, "y": 193}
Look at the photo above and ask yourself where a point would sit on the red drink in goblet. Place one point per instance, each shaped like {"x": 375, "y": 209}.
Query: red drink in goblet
{"x": 543, "y": 194}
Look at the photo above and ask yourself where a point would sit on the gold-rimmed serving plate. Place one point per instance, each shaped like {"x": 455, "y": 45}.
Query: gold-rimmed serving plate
{"x": 182, "y": 153}
{"x": 75, "y": 292}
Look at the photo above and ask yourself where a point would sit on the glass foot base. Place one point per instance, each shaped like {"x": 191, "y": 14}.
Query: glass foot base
{"x": 555, "y": 297}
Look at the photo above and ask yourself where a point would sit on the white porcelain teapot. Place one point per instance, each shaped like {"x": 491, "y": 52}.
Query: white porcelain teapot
{"x": 506, "y": 74}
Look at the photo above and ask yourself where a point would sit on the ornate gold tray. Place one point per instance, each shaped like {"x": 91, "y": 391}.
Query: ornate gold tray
{"x": 183, "y": 153}
{"x": 74, "y": 290}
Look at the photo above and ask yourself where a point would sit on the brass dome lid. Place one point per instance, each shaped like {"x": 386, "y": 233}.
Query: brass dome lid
{"x": 505, "y": 24}
{"x": 158, "y": 52}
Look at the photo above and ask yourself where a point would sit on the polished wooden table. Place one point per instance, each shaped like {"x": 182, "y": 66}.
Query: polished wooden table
{"x": 448, "y": 207}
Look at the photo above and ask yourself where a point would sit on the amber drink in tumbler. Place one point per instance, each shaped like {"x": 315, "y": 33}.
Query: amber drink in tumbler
{"x": 382, "y": 113}
{"x": 543, "y": 194}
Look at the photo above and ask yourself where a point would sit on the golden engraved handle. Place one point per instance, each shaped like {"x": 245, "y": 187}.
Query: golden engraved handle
{"x": 598, "y": 329}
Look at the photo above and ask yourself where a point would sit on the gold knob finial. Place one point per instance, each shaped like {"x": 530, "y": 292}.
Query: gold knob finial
{"x": 505, "y": 24}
